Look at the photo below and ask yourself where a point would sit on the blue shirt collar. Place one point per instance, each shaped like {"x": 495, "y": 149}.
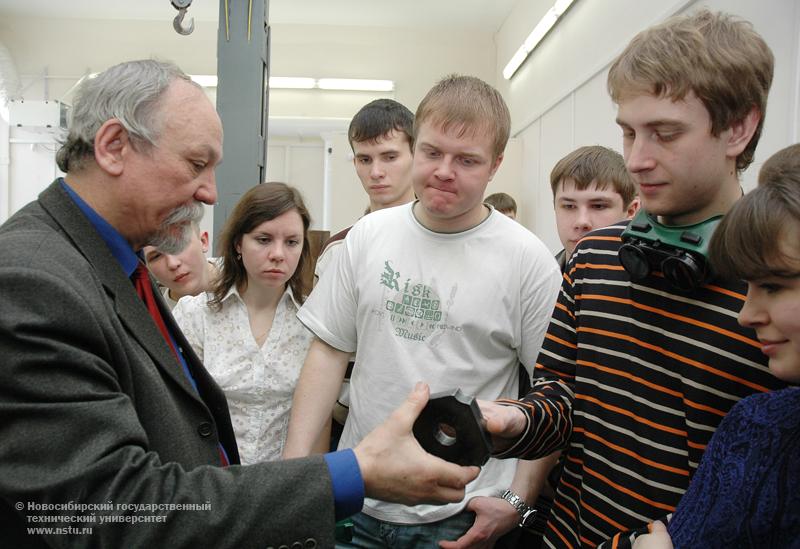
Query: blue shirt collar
{"x": 119, "y": 247}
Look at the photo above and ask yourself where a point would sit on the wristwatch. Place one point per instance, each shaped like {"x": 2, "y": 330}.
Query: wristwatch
{"x": 525, "y": 511}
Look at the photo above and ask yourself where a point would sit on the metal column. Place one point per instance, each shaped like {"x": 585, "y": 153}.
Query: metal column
{"x": 242, "y": 100}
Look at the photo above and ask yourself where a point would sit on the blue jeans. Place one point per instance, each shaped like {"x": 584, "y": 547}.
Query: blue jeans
{"x": 370, "y": 533}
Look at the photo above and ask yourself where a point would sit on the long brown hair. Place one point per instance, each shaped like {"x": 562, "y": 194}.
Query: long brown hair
{"x": 261, "y": 203}
{"x": 749, "y": 243}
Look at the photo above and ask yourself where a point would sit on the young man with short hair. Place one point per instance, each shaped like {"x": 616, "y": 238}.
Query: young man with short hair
{"x": 591, "y": 189}
{"x": 188, "y": 272}
{"x": 503, "y": 203}
{"x": 635, "y": 374}
{"x": 380, "y": 135}
{"x": 444, "y": 289}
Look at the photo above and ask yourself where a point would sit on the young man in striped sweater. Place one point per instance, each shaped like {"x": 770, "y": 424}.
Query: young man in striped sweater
{"x": 635, "y": 375}
{"x": 592, "y": 188}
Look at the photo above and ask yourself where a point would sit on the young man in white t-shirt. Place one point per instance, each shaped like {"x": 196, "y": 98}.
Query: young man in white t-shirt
{"x": 444, "y": 290}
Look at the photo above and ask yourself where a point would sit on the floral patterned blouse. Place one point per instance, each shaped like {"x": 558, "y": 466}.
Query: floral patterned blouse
{"x": 258, "y": 382}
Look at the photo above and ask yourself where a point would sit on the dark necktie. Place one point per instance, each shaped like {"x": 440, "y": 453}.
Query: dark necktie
{"x": 141, "y": 281}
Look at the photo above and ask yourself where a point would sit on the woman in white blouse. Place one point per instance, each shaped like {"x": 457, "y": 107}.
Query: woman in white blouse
{"x": 245, "y": 330}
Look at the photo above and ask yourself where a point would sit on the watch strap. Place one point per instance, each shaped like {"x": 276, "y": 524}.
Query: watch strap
{"x": 526, "y": 512}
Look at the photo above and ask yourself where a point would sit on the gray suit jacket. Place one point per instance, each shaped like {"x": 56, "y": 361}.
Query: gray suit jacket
{"x": 95, "y": 410}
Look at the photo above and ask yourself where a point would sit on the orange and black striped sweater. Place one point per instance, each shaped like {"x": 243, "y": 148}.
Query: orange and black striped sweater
{"x": 632, "y": 379}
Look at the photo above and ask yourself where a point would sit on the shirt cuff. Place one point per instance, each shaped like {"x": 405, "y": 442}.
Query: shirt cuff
{"x": 348, "y": 486}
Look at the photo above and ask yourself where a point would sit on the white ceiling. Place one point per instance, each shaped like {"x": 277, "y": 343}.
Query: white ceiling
{"x": 487, "y": 15}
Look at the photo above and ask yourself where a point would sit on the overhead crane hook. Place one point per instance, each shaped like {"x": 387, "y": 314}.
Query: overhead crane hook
{"x": 177, "y": 23}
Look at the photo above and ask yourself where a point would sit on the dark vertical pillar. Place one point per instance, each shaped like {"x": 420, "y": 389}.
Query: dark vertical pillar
{"x": 242, "y": 100}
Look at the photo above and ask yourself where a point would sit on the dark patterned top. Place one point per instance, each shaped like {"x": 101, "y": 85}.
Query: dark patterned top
{"x": 633, "y": 379}
{"x": 746, "y": 492}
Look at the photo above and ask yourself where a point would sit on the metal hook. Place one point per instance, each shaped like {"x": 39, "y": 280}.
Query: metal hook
{"x": 177, "y": 23}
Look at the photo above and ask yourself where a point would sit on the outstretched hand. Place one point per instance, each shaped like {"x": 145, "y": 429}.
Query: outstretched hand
{"x": 395, "y": 467}
{"x": 505, "y": 424}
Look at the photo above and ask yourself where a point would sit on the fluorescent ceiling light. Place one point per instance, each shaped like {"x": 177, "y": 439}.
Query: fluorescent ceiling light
{"x": 306, "y": 83}
{"x": 354, "y": 84}
{"x": 541, "y": 29}
{"x": 561, "y": 6}
{"x": 291, "y": 82}
{"x": 517, "y": 60}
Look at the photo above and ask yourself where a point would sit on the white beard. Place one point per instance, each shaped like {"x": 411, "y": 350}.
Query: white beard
{"x": 170, "y": 241}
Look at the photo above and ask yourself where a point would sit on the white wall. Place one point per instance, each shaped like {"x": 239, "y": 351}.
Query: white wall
{"x": 5, "y": 188}
{"x": 414, "y": 59}
{"x": 31, "y": 158}
{"x": 558, "y": 97}
{"x": 299, "y": 162}
{"x": 68, "y": 48}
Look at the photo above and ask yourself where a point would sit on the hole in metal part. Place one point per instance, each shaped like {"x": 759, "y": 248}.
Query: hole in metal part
{"x": 445, "y": 434}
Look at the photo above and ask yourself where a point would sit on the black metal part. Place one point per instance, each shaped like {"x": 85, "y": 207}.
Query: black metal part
{"x": 451, "y": 427}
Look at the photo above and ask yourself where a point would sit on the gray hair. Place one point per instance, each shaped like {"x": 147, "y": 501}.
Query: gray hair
{"x": 129, "y": 92}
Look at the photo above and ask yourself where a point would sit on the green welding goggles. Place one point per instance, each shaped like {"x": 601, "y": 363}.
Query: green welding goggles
{"x": 679, "y": 252}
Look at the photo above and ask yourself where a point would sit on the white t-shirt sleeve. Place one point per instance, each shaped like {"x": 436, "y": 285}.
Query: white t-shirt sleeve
{"x": 330, "y": 310}
{"x": 327, "y": 258}
{"x": 539, "y": 291}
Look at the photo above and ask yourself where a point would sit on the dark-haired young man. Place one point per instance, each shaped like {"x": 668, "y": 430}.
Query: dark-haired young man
{"x": 380, "y": 135}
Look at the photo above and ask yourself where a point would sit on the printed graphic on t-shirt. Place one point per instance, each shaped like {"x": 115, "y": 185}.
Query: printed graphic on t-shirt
{"x": 415, "y": 309}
